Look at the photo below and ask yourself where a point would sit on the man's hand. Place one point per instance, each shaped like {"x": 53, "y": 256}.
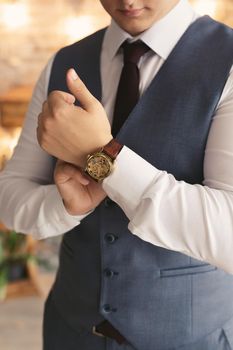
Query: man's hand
{"x": 71, "y": 133}
{"x": 79, "y": 193}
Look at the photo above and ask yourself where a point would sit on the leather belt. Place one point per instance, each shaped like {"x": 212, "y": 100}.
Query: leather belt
{"x": 105, "y": 329}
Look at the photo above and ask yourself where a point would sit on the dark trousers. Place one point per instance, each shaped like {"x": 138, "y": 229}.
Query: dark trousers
{"x": 58, "y": 335}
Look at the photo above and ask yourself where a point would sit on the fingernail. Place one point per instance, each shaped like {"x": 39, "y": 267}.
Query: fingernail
{"x": 85, "y": 182}
{"x": 73, "y": 74}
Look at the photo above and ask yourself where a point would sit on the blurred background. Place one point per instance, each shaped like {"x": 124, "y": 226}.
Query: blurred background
{"x": 31, "y": 31}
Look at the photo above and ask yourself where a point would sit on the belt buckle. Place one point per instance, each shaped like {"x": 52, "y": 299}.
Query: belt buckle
{"x": 94, "y": 331}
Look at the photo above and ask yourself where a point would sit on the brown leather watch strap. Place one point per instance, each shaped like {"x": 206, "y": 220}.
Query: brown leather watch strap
{"x": 112, "y": 149}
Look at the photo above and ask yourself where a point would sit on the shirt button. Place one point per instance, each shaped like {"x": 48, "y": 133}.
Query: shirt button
{"x": 107, "y": 202}
{"x": 110, "y": 238}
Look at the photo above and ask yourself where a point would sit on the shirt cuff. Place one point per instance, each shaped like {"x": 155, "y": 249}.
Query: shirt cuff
{"x": 131, "y": 178}
{"x": 57, "y": 220}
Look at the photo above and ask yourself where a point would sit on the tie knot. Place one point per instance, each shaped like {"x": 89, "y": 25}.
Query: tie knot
{"x": 134, "y": 51}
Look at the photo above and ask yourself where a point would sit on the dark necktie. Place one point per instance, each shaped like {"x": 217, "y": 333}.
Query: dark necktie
{"x": 128, "y": 88}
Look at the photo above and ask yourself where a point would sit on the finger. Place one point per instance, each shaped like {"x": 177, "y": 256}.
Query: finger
{"x": 57, "y": 99}
{"x": 39, "y": 129}
{"x": 65, "y": 171}
{"x": 80, "y": 91}
{"x": 59, "y": 162}
{"x": 45, "y": 107}
{"x": 40, "y": 117}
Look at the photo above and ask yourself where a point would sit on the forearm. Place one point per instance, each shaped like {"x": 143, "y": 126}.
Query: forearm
{"x": 191, "y": 219}
{"x": 28, "y": 201}
{"x": 28, "y": 207}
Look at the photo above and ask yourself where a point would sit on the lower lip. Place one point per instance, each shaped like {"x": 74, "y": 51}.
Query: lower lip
{"x": 132, "y": 13}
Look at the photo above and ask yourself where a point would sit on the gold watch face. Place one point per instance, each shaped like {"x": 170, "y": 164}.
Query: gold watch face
{"x": 99, "y": 166}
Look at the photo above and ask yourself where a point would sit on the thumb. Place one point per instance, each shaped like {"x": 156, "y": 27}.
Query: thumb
{"x": 79, "y": 90}
{"x": 65, "y": 172}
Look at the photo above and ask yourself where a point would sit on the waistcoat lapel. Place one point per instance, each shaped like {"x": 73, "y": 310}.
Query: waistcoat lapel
{"x": 178, "y": 106}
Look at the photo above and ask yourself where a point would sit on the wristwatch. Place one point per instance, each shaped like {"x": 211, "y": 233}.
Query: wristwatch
{"x": 100, "y": 164}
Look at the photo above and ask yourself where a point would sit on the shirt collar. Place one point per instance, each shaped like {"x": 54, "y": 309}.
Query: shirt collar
{"x": 161, "y": 37}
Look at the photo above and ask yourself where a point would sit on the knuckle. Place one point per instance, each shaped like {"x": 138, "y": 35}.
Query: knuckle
{"x": 44, "y": 124}
{"x": 56, "y": 111}
{"x": 39, "y": 119}
{"x": 95, "y": 103}
{"x": 38, "y": 135}
{"x": 53, "y": 94}
{"x": 47, "y": 124}
{"x": 41, "y": 141}
{"x": 44, "y": 105}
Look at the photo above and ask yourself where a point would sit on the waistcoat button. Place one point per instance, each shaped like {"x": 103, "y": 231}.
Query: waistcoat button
{"x": 109, "y": 273}
{"x": 110, "y": 238}
{"x": 108, "y": 202}
{"x": 107, "y": 308}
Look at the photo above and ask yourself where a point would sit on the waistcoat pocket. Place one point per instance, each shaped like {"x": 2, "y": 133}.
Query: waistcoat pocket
{"x": 217, "y": 340}
{"x": 228, "y": 330}
{"x": 187, "y": 270}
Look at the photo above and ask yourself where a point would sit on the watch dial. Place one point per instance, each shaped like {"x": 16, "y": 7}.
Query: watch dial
{"x": 98, "y": 167}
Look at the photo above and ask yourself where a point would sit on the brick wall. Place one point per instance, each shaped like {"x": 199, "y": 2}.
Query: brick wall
{"x": 43, "y": 27}
{"x": 225, "y": 12}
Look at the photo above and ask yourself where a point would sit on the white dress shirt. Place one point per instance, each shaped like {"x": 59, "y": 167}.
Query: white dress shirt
{"x": 192, "y": 219}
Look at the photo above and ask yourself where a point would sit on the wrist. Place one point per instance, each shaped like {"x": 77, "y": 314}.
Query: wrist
{"x": 98, "y": 147}
{"x": 100, "y": 164}
{"x": 74, "y": 211}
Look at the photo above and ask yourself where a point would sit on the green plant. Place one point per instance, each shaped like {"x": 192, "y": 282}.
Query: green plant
{"x": 13, "y": 258}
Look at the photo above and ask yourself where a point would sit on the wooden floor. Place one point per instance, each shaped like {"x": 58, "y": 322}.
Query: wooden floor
{"x": 21, "y": 324}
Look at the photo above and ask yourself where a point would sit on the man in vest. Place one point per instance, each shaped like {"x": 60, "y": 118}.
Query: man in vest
{"x": 147, "y": 263}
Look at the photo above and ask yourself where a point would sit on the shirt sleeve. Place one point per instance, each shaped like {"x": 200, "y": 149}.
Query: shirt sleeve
{"x": 196, "y": 220}
{"x": 29, "y": 201}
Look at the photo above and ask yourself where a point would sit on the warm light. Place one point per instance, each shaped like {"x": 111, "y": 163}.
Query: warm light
{"x": 205, "y": 7}
{"x": 8, "y": 141}
{"x": 5, "y": 151}
{"x": 15, "y": 134}
{"x": 77, "y": 28}
{"x": 14, "y": 15}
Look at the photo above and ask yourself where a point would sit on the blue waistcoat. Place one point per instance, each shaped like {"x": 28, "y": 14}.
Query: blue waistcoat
{"x": 158, "y": 299}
